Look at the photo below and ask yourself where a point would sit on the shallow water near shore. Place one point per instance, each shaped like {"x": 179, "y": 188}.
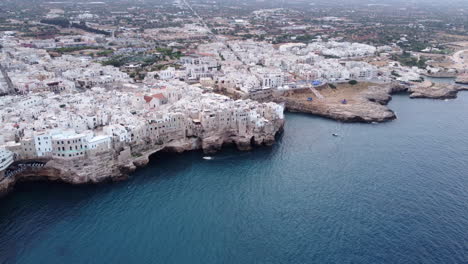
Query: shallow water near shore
{"x": 395, "y": 192}
{"x": 447, "y": 80}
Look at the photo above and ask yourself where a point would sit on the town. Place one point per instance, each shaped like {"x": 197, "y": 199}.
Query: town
{"x": 72, "y": 108}
{"x": 233, "y": 131}
{"x": 88, "y": 81}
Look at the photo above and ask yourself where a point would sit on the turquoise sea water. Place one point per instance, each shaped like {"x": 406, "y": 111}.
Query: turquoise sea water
{"x": 379, "y": 193}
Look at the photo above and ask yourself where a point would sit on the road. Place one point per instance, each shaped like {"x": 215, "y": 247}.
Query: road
{"x": 214, "y": 36}
{"x": 11, "y": 88}
{"x": 460, "y": 59}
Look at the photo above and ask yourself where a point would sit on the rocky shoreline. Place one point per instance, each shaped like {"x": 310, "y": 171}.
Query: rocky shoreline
{"x": 436, "y": 91}
{"x": 369, "y": 105}
{"x": 116, "y": 165}
{"x": 462, "y": 79}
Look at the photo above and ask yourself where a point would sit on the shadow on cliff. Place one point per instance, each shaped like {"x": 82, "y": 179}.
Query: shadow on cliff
{"x": 166, "y": 164}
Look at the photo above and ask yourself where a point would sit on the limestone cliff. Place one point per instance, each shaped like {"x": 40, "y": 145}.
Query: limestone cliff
{"x": 462, "y": 79}
{"x": 436, "y": 91}
{"x": 368, "y": 105}
{"x": 120, "y": 161}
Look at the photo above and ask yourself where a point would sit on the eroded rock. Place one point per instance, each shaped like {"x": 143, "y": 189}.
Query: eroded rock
{"x": 116, "y": 165}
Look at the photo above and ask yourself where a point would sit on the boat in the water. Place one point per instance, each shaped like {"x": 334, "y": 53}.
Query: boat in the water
{"x": 334, "y": 134}
{"x": 207, "y": 158}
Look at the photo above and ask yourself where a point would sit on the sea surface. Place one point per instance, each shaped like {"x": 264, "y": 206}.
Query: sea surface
{"x": 378, "y": 193}
{"x": 449, "y": 80}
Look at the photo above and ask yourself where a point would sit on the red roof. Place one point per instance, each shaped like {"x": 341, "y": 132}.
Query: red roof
{"x": 148, "y": 98}
{"x": 159, "y": 96}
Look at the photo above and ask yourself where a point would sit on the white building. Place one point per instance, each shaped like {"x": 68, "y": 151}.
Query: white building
{"x": 43, "y": 144}
{"x": 69, "y": 145}
{"x": 100, "y": 143}
{"x": 6, "y": 159}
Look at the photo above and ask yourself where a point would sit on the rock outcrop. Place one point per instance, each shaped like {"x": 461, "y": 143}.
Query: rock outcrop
{"x": 462, "y": 79}
{"x": 363, "y": 112}
{"x": 369, "y": 105}
{"x": 366, "y": 106}
{"x": 435, "y": 91}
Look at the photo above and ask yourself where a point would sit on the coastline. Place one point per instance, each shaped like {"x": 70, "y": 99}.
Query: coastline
{"x": 367, "y": 106}
{"x": 462, "y": 80}
{"x": 116, "y": 165}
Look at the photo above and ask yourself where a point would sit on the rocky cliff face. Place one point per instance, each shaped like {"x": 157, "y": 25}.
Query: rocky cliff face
{"x": 366, "y": 106}
{"x": 436, "y": 91}
{"x": 463, "y": 79}
{"x": 116, "y": 165}
{"x": 369, "y": 105}
{"x": 93, "y": 169}
{"x": 363, "y": 112}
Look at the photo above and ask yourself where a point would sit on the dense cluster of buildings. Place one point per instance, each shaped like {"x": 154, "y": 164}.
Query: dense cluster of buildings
{"x": 187, "y": 31}
{"x": 69, "y": 107}
{"x": 67, "y": 41}
{"x": 69, "y": 126}
{"x": 33, "y": 70}
{"x": 249, "y": 66}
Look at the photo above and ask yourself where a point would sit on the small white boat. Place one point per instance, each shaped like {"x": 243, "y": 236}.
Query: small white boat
{"x": 207, "y": 158}
{"x": 334, "y": 134}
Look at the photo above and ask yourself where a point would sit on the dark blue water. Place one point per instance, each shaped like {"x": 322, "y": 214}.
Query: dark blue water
{"x": 387, "y": 193}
